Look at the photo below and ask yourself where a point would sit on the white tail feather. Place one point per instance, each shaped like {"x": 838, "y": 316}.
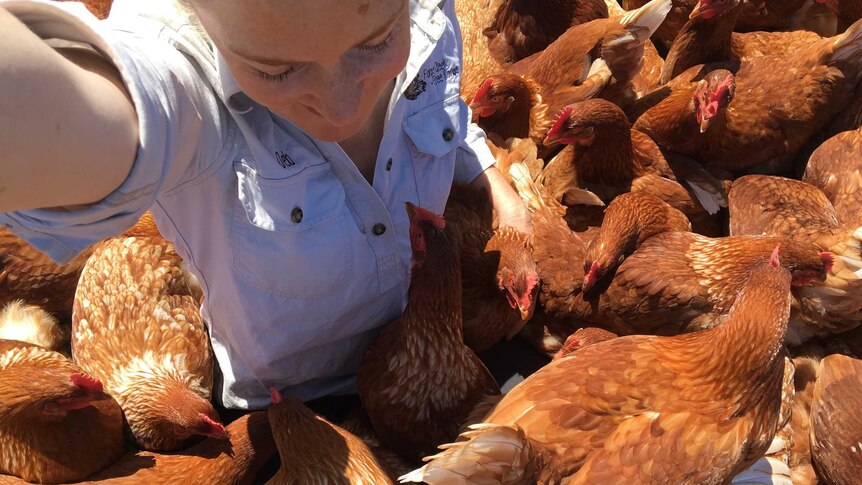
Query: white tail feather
{"x": 646, "y": 20}
{"x": 848, "y": 46}
{"x": 491, "y": 454}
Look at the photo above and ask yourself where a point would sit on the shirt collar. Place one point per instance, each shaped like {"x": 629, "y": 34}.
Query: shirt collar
{"x": 427, "y": 24}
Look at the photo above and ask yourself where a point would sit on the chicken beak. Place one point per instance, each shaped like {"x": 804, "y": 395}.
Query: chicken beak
{"x": 705, "y": 13}
{"x": 551, "y": 140}
{"x": 704, "y": 124}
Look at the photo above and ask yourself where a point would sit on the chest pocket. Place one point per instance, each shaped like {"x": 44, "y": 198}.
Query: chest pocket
{"x": 435, "y": 132}
{"x": 290, "y": 236}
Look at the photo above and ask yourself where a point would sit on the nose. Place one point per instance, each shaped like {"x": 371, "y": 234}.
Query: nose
{"x": 339, "y": 95}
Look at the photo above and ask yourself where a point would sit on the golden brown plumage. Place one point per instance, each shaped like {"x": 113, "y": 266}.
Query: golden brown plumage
{"x": 804, "y": 379}
{"x": 522, "y": 27}
{"x": 522, "y": 101}
{"x": 708, "y": 37}
{"x": 474, "y": 16}
{"x": 835, "y": 422}
{"x": 499, "y": 278}
{"x": 777, "y": 206}
{"x": 779, "y": 103}
{"x": 836, "y": 169}
{"x": 28, "y": 274}
{"x": 137, "y": 327}
{"x": 56, "y": 423}
{"x": 418, "y": 381}
{"x": 233, "y": 461}
{"x": 630, "y": 219}
{"x": 679, "y": 281}
{"x": 313, "y": 450}
{"x": 645, "y": 409}
{"x": 605, "y": 156}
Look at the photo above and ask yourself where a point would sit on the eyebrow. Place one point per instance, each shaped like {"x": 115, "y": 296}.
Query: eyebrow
{"x": 273, "y": 62}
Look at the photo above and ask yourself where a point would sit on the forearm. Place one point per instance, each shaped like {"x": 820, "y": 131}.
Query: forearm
{"x": 511, "y": 210}
{"x": 68, "y": 132}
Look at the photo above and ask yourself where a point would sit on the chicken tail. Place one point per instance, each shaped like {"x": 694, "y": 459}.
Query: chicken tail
{"x": 614, "y": 9}
{"x": 644, "y": 21}
{"x": 31, "y": 324}
{"x": 489, "y": 454}
{"x": 625, "y": 53}
{"x": 847, "y": 47}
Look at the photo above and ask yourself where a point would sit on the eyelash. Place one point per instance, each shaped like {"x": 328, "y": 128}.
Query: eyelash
{"x": 372, "y": 48}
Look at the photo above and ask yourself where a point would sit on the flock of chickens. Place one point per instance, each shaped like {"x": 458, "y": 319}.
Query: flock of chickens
{"x": 694, "y": 276}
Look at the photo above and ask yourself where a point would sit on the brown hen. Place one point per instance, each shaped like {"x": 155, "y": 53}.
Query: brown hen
{"x": 499, "y": 278}
{"x": 836, "y": 169}
{"x": 524, "y": 27}
{"x": 521, "y": 102}
{"x": 708, "y": 37}
{"x": 630, "y": 220}
{"x": 777, "y": 206}
{"x": 778, "y": 104}
{"x": 313, "y": 450}
{"x": 29, "y": 275}
{"x": 605, "y": 156}
{"x": 583, "y": 337}
{"x": 663, "y": 411}
{"x": 56, "y": 423}
{"x": 137, "y": 327}
{"x": 418, "y": 381}
{"x": 835, "y": 421}
{"x": 474, "y": 16}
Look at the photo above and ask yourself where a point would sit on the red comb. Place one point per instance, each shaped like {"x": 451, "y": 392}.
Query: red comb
{"x": 483, "y": 90}
{"x": 275, "y": 395}
{"x": 216, "y": 430}
{"x": 773, "y": 260}
{"x": 419, "y": 214}
{"x": 828, "y": 260}
{"x": 92, "y": 385}
{"x": 562, "y": 117}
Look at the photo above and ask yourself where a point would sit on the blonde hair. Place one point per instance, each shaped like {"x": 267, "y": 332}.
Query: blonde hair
{"x": 185, "y": 9}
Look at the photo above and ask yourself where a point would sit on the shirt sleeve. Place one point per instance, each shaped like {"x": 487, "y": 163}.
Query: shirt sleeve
{"x": 183, "y": 131}
{"x": 473, "y": 156}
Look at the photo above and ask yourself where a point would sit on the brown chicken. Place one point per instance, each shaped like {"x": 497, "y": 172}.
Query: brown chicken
{"x": 56, "y": 423}
{"x": 234, "y": 461}
{"x": 708, "y": 37}
{"x": 757, "y": 15}
{"x": 630, "y": 220}
{"x": 29, "y": 323}
{"x": 313, "y": 450}
{"x": 835, "y": 421}
{"x": 28, "y": 274}
{"x": 474, "y": 16}
{"x": 136, "y": 327}
{"x": 777, "y": 206}
{"x": 418, "y": 381}
{"x": 836, "y": 169}
{"x": 800, "y": 454}
{"x": 523, "y": 27}
{"x": 778, "y": 104}
{"x": 522, "y": 101}
{"x": 582, "y": 338}
{"x": 679, "y": 281}
{"x": 642, "y": 409}
{"x": 605, "y": 156}
{"x": 499, "y": 278}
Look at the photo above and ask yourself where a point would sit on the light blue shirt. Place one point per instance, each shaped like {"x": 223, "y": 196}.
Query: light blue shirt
{"x": 301, "y": 260}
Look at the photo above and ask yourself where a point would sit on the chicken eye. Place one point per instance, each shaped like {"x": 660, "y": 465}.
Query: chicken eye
{"x": 496, "y": 99}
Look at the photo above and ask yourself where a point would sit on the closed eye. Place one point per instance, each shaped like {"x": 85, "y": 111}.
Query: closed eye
{"x": 378, "y": 47}
{"x": 278, "y": 77}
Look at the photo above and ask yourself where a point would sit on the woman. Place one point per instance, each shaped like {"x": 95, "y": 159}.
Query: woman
{"x": 275, "y": 142}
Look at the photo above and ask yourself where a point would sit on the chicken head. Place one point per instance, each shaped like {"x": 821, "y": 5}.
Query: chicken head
{"x": 707, "y": 9}
{"x": 498, "y": 93}
{"x": 713, "y": 94}
{"x": 582, "y": 338}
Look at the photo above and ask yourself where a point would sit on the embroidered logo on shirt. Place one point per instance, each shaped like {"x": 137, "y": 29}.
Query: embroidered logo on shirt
{"x": 416, "y": 87}
{"x": 441, "y": 71}
{"x": 284, "y": 159}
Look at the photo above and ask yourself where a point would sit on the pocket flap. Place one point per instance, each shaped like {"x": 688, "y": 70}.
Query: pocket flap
{"x": 439, "y": 128}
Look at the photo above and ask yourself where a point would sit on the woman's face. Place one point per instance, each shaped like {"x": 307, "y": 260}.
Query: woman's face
{"x": 321, "y": 64}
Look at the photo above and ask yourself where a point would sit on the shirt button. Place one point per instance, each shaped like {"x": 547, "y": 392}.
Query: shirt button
{"x": 389, "y": 165}
{"x": 296, "y": 215}
{"x": 448, "y": 134}
{"x": 378, "y": 229}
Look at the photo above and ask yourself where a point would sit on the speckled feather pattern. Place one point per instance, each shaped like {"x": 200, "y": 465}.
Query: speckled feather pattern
{"x": 137, "y": 328}
{"x": 836, "y": 449}
{"x": 836, "y": 168}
